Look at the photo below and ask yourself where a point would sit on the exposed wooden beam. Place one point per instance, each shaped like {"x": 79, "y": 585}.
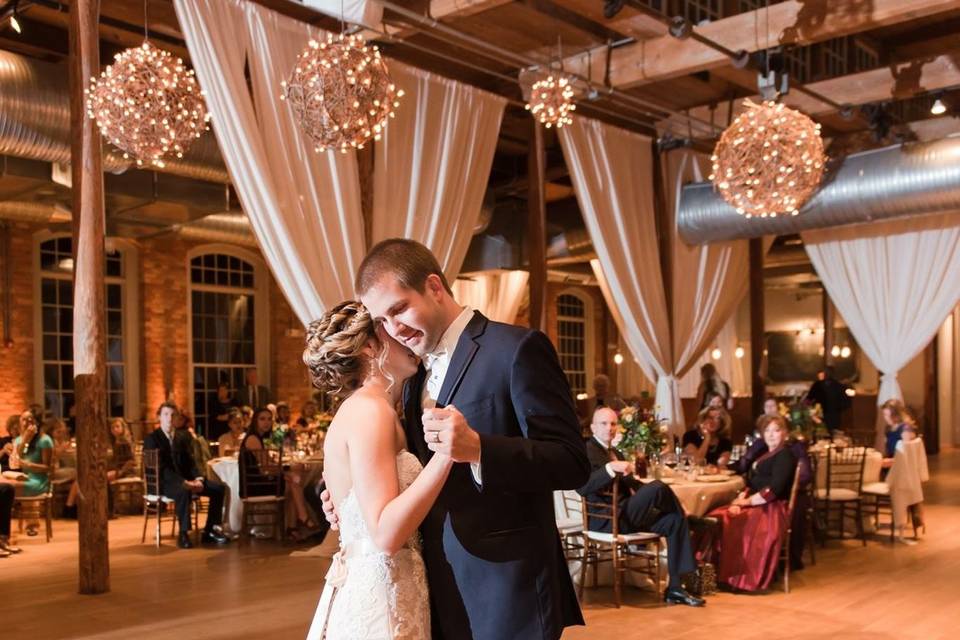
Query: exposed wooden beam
{"x": 795, "y": 22}
{"x": 757, "y": 327}
{"x": 536, "y": 236}
{"x": 894, "y": 82}
{"x": 574, "y": 19}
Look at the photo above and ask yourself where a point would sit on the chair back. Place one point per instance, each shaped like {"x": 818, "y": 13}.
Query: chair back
{"x": 261, "y": 473}
{"x": 601, "y": 510}
{"x": 845, "y": 468}
{"x": 151, "y": 471}
{"x": 793, "y": 496}
{"x": 567, "y": 505}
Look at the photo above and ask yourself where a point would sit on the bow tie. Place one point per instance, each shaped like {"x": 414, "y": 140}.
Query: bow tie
{"x": 431, "y": 358}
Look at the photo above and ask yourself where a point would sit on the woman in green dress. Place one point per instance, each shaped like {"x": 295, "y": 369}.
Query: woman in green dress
{"x": 34, "y": 449}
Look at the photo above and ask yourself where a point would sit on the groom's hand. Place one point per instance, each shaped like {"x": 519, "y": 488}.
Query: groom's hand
{"x": 446, "y": 431}
{"x": 329, "y": 511}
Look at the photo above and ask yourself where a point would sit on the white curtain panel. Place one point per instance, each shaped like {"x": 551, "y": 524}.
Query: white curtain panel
{"x": 432, "y": 166}
{"x": 894, "y": 283}
{"x": 495, "y": 294}
{"x": 304, "y": 207}
{"x": 369, "y": 13}
{"x": 730, "y": 368}
{"x": 612, "y": 173}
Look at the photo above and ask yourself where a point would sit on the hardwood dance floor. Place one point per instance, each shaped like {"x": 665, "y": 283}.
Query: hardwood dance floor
{"x": 258, "y": 591}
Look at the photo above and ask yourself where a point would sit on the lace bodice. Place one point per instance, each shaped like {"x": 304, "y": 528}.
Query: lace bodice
{"x": 375, "y": 596}
{"x": 352, "y": 525}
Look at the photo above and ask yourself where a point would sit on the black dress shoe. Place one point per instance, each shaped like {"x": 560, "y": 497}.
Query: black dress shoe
{"x": 214, "y": 537}
{"x": 676, "y": 595}
{"x": 184, "y": 541}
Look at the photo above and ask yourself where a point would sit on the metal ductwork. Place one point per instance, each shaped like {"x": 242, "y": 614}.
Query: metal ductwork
{"x": 904, "y": 180}
{"x": 35, "y": 123}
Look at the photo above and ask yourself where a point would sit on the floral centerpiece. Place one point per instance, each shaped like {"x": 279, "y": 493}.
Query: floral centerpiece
{"x": 805, "y": 419}
{"x": 642, "y": 433}
{"x": 280, "y": 433}
{"x": 322, "y": 421}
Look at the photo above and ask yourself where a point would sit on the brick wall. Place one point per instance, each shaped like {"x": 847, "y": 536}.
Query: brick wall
{"x": 16, "y": 361}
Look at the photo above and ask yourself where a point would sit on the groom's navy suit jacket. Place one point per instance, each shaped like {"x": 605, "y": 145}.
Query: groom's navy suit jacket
{"x": 494, "y": 560}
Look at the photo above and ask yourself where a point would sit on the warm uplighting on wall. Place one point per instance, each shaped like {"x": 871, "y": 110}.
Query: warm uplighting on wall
{"x": 739, "y": 352}
{"x": 618, "y": 359}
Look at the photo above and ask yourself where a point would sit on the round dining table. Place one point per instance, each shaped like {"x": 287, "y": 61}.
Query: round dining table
{"x": 701, "y": 495}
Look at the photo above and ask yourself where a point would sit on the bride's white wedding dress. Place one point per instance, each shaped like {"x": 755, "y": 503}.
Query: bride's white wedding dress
{"x": 370, "y": 595}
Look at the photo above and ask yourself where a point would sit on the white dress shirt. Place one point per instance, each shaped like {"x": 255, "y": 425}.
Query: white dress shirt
{"x": 438, "y": 361}
{"x": 608, "y": 466}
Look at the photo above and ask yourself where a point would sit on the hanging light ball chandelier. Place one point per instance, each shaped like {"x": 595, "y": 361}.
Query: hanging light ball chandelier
{"x": 551, "y": 101}
{"x": 341, "y": 93}
{"x": 769, "y": 161}
{"x": 148, "y": 104}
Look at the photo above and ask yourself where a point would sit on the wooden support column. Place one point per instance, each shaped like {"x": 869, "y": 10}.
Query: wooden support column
{"x": 89, "y": 348}
{"x": 537, "y": 229}
{"x": 829, "y": 333}
{"x": 757, "y": 339}
{"x": 931, "y": 404}
{"x": 665, "y": 233}
{"x": 365, "y": 172}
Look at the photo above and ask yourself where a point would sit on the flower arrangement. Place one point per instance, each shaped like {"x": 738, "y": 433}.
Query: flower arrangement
{"x": 805, "y": 418}
{"x": 642, "y": 432}
{"x": 323, "y": 421}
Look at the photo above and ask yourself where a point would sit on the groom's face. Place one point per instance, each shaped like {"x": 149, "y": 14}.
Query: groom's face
{"x": 412, "y": 318}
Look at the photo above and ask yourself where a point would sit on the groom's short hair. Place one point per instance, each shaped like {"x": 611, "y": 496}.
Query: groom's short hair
{"x": 411, "y": 262}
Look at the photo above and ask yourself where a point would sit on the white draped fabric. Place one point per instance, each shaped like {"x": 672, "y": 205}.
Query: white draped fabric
{"x": 495, "y": 294}
{"x": 894, "y": 283}
{"x": 304, "y": 207}
{"x": 432, "y": 165}
{"x": 612, "y": 173}
{"x": 729, "y": 367}
{"x": 369, "y": 13}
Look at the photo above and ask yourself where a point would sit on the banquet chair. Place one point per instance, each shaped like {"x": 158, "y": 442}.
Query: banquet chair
{"x": 615, "y": 547}
{"x": 35, "y": 508}
{"x": 127, "y": 490}
{"x": 841, "y": 494}
{"x": 569, "y": 513}
{"x": 155, "y": 504}
{"x": 907, "y": 479}
{"x": 262, "y": 493}
{"x": 788, "y": 533}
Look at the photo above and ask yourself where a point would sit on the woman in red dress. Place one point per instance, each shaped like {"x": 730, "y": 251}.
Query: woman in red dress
{"x": 751, "y": 528}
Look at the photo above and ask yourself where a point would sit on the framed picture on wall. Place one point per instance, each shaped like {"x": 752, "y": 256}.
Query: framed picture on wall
{"x": 797, "y": 356}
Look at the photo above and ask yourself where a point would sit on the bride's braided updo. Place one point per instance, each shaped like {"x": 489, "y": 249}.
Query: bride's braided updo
{"x": 335, "y": 343}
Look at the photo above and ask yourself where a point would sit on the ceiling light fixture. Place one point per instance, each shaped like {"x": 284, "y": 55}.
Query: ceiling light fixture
{"x": 938, "y": 107}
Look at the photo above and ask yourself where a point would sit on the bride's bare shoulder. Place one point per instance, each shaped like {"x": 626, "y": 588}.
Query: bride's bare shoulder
{"x": 364, "y": 412}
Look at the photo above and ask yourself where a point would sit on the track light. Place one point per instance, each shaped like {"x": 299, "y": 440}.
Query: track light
{"x": 15, "y": 24}
{"x": 938, "y": 107}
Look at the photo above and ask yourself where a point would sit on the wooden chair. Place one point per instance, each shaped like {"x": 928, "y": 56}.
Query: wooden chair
{"x": 35, "y": 508}
{"x": 128, "y": 490}
{"x": 262, "y": 493}
{"x": 155, "y": 504}
{"x": 615, "y": 547}
{"x": 841, "y": 492}
{"x": 787, "y": 535}
{"x": 568, "y": 507}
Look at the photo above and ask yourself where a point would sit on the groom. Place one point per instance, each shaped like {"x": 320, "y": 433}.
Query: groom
{"x": 493, "y": 397}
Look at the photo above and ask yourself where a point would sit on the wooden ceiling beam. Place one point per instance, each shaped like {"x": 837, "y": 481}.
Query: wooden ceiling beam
{"x": 895, "y": 82}
{"x": 796, "y": 22}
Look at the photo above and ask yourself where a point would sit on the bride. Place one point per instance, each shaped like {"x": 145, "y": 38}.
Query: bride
{"x": 376, "y": 587}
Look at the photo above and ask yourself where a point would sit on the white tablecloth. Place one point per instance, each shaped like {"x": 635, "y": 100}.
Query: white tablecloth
{"x": 699, "y": 498}
{"x": 871, "y": 467}
{"x": 227, "y": 470}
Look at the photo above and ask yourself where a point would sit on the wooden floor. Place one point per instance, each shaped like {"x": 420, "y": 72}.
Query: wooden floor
{"x": 258, "y": 590}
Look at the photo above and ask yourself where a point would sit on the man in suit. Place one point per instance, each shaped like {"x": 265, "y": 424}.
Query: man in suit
{"x": 650, "y": 507}
{"x": 831, "y": 395}
{"x": 494, "y": 398}
{"x": 253, "y": 394}
{"x": 181, "y": 480}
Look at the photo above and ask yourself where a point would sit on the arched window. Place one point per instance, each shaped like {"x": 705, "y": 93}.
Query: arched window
{"x": 55, "y": 326}
{"x": 574, "y": 342}
{"x": 227, "y": 308}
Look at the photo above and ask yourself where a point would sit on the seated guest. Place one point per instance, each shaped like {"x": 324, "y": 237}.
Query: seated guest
{"x": 34, "y": 451}
{"x": 180, "y": 479}
{"x": 897, "y": 421}
{"x": 292, "y": 481}
{"x": 247, "y": 413}
{"x": 10, "y": 433}
{"x": 122, "y": 463}
{"x": 229, "y": 443}
{"x": 708, "y": 442}
{"x": 199, "y": 447}
{"x": 648, "y": 507}
{"x": 64, "y": 450}
{"x": 253, "y": 394}
{"x": 222, "y": 404}
{"x": 751, "y": 528}
{"x": 283, "y": 415}
{"x": 308, "y": 416}
{"x": 7, "y": 495}
{"x": 770, "y": 408}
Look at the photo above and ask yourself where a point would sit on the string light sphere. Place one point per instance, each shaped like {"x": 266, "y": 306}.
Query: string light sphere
{"x": 551, "y": 101}
{"x": 341, "y": 93}
{"x": 148, "y": 104}
{"x": 769, "y": 161}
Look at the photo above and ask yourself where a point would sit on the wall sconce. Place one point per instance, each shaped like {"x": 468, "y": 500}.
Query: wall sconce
{"x": 617, "y": 359}
{"x": 845, "y": 352}
{"x": 716, "y": 353}
{"x": 739, "y": 352}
